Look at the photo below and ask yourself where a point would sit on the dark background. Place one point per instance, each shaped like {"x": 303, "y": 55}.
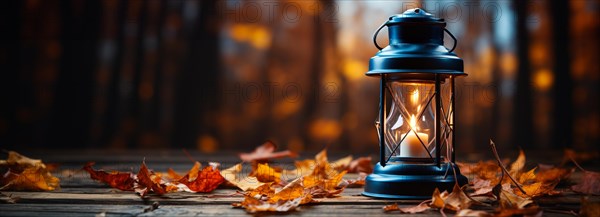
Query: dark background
{"x": 227, "y": 75}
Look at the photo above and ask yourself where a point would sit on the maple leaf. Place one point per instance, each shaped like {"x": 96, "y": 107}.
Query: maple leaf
{"x": 245, "y": 183}
{"x": 590, "y": 183}
{"x": 119, "y": 180}
{"x": 206, "y": 180}
{"x": 26, "y": 174}
{"x": 265, "y": 152}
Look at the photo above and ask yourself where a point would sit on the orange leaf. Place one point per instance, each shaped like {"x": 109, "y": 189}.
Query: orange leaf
{"x": 264, "y": 173}
{"x": 266, "y": 152}
{"x": 31, "y": 179}
{"x": 119, "y": 180}
{"x": 549, "y": 173}
{"x": 206, "y": 180}
{"x": 28, "y": 174}
{"x": 148, "y": 181}
{"x": 173, "y": 175}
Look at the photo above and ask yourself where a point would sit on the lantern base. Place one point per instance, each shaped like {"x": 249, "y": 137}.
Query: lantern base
{"x": 402, "y": 180}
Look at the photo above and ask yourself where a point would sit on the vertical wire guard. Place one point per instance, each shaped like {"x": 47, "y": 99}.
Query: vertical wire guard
{"x": 382, "y": 111}
{"x": 453, "y": 117}
{"x": 438, "y": 113}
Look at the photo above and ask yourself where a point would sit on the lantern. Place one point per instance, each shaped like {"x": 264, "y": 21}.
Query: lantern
{"x": 416, "y": 123}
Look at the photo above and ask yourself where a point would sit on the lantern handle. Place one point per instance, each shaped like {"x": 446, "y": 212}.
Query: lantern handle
{"x": 453, "y": 38}
{"x": 376, "y": 33}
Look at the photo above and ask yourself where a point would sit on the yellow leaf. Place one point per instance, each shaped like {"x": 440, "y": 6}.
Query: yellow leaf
{"x": 264, "y": 173}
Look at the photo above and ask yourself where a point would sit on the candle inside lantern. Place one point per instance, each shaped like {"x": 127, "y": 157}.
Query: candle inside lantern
{"x": 411, "y": 146}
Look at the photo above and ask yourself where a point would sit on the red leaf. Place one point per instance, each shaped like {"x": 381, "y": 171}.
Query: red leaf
{"x": 207, "y": 180}
{"x": 266, "y": 152}
{"x": 119, "y": 180}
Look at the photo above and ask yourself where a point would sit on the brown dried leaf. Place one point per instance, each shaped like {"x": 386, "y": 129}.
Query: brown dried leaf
{"x": 266, "y": 152}
{"x": 148, "y": 181}
{"x": 487, "y": 170}
{"x": 509, "y": 200}
{"x": 590, "y": 184}
{"x": 120, "y": 180}
{"x": 422, "y": 207}
{"x": 361, "y": 165}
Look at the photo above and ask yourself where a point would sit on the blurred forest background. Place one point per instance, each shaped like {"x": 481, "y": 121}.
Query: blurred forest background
{"x": 229, "y": 74}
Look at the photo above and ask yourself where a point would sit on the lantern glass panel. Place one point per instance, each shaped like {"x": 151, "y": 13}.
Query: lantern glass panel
{"x": 410, "y": 121}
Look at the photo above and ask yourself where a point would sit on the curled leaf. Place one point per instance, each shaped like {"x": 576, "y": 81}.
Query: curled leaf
{"x": 119, "y": 180}
{"x": 234, "y": 176}
{"x": 26, "y": 174}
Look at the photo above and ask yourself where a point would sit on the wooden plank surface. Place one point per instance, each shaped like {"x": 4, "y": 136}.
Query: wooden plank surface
{"x": 81, "y": 196}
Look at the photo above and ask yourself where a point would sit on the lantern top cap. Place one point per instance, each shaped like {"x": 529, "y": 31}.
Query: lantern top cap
{"x": 416, "y": 49}
{"x": 415, "y": 15}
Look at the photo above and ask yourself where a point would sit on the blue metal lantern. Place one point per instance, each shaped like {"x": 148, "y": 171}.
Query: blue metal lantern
{"x": 416, "y": 133}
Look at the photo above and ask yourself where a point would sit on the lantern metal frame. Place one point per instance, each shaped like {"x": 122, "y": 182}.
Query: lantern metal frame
{"x": 416, "y": 53}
